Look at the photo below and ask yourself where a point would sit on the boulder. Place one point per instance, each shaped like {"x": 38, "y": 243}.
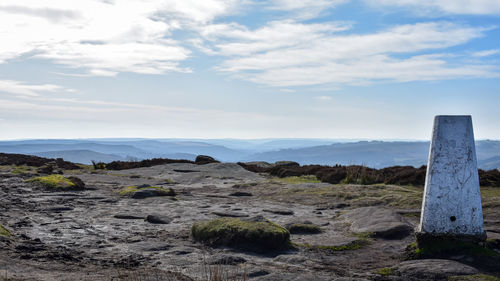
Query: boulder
{"x": 204, "y": 159}
{"x": 433, "y": 268}
{"x": 157, "y": 219}
{"x": 149, "y": 192}
{"x": 380, "y": 222}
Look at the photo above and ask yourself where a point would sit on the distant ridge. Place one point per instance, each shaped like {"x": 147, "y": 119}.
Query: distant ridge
{"x": 375, "y": 154}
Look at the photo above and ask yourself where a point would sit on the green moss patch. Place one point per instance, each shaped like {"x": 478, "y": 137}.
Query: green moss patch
{"x": 304, "y": 228}
{"x": 19, "y": 170}
{"x": 475, "y": 277}
{"x": 386, "y": 271}
{"x": 162, "y": 191}
{"x": 4, "y": 231}
{"x": 55, "y": 182}
{"x": 254, "y": 234}
{"x": 407, "y": 197}
{"x": 428, "y": 247}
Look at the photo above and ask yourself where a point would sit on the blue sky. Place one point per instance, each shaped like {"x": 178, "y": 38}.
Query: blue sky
{"x": 355, "y": 69}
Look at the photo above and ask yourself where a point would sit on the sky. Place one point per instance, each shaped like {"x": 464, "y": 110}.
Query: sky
{"x": 341, "y": 69}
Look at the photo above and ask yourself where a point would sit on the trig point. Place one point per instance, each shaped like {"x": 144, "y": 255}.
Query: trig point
{"x": 452, "y": 199}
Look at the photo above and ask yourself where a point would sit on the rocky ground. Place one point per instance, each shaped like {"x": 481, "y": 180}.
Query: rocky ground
{"x": 98, "y": 234}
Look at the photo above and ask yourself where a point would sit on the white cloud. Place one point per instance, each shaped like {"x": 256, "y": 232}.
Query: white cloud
{"x": 305, "y": 8}
{"x": 465, "y": 7}
{"x": 310, "y": 54}
{"x": 323, "y": 98}
{"x": 102, "y": 37}
{"x": 26, "y": 90}
{"x": 486, "y": 53}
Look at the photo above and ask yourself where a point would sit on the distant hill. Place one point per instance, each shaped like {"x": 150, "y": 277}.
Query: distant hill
{"x": 376, "y": 154}
{"x": 80, "y": 156}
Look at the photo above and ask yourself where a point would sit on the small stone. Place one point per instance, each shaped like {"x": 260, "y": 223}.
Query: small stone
{"x": 241, "y": 193}
{"x": 228, "y": 260}
{"x": 156, "y": 219}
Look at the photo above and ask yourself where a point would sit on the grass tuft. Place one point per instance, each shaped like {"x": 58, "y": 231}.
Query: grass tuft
{"x": 298, "y": 180}
{"x": 303, "y": 228}
{"x": 162, "y": 191}
{"x": 4, "y": 231}
{"x": 385, "y": 271}
{"x": 257, "y": 235}
{"x": 53, "y": 182}
{"x": 474, "y": 277}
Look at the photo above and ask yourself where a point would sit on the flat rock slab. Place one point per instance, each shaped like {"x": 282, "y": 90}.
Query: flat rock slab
{"x": 282, "y": 212}
{"x": 128, "y": 217}
{"x": 434, "y": 267}
{"x": 381, "y": 222}
{"x": 230, "y": 214}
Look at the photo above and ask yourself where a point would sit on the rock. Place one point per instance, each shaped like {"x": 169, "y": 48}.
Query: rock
{"x": 279, "y": 212}
{"x": 230, "y": 214}
{"x": 147, "y": 192}
{"x": 240, "y": 193}
{"x": 58, "y": 209}
{"x": 303, "y": 227}
{"x": 253, "y": 235}
{"x": 286, "y": 164}
{"x": 228, "y": 260}
{"x": 79, "y": 184}
{"x": 156, "y": 219}
{"x": 291, "y": 259}
{"x": 182, "y": 251}
{"x": 127, "y": 217}
{"x": 381, "y": 222}
{"x": 434, "y": 268}
{"x": 257, "y": 273}
{"x": 204, "y": 159}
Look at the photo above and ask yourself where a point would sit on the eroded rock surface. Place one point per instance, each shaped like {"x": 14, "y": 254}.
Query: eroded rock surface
{"x": 381, "y": 222}
{"x": 92, "y": 234}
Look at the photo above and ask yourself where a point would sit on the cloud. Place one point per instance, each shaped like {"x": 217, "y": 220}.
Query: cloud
{"x": 323, "y": 98}
{"x": 104, "y": 37}
{"x": 486, "y": 53}
{"x": 311, "y": 54}
{"x": 26, "y": 90}
{"x": 305, "y": 9}
{"x": 54, "y": 15}
{"x": 464, "y": 7}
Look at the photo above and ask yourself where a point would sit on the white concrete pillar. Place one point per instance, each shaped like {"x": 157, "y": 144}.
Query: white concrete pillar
{"x": 452, "y": 199}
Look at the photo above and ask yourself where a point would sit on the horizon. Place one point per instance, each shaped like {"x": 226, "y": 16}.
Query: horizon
{"x": 218, "y": 69}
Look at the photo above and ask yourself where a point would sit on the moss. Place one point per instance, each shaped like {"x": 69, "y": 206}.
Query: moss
{"x": 438, "y": 246}
{"x": 19, "y": 170}
{"x": 54, "y": 182}
{"x": 408, "y": 197}
{"x": 474, "y": 277}
{"x": 304, "y": 228}
{"x": 257, "y": 235}
{"x": 162, "y": 191}
{"x": 385, "y": 271}
{"x": 297, "y": 180}
{"x": 4, "y": 231}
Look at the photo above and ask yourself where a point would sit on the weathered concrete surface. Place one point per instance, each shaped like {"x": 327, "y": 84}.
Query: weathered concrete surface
{"x": 452, "y": 199}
